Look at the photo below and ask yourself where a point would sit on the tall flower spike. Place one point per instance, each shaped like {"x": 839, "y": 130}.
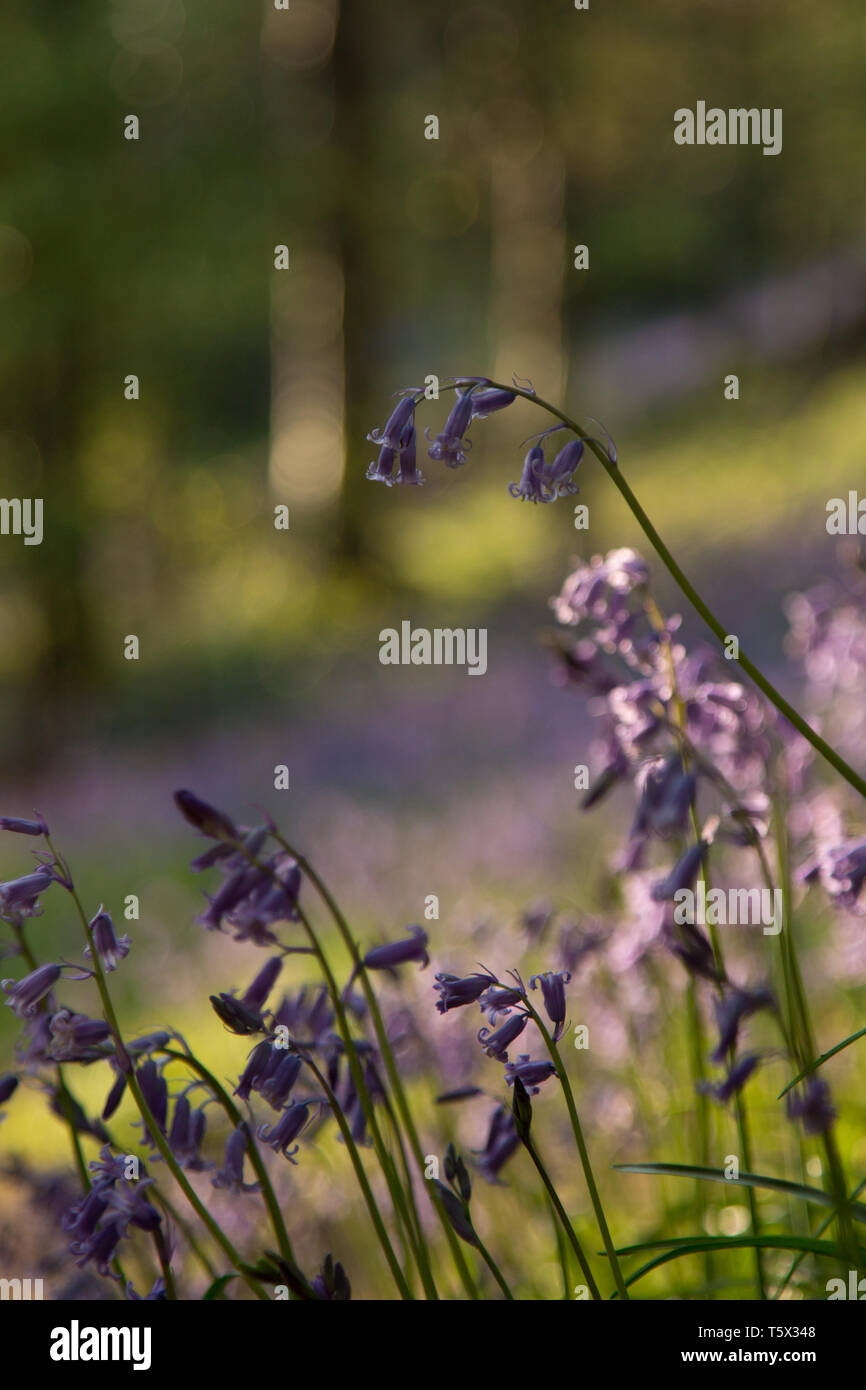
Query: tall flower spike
{"x": 450, "y": 446}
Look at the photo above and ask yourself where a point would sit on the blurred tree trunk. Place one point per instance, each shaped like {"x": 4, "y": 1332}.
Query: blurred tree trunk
{"x": 356, "y": 219}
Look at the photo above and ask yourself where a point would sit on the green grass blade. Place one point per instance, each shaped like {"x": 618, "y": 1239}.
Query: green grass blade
{"x": 819, "y": 1062}
{"x": 791, "y": 1189}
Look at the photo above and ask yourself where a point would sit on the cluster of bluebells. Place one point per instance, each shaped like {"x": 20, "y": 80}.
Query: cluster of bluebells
{"x": 505, "y": 1006}
{"x": 476, "y": 398}
{"x": 694, "y": 748}
{"x": 117, "y": 1200}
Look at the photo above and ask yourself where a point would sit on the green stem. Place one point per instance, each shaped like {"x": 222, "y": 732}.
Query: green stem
{"x": 566, "y": 1225}
{"x": 581, "y": 1149}
{"x": 363, "y": 1181}
{"x": 387, "y": 1055}
{"x": 385, "y": 1161}
{"x": 493, "y": 1267}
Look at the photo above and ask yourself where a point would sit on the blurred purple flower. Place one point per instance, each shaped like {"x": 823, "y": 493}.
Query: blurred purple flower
{"x": 211, "y": 822}
{"x": 412, "y": 948}
{"x": 814, "y": 1106}
{"x": 502, "y": 1141}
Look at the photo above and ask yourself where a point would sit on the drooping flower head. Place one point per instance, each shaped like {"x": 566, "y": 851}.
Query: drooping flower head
{"x": 553, "y": 993}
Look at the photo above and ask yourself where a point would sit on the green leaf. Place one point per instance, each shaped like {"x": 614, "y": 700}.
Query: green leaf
{"x": 819, "y": 1062}
{"x": 217, "y": 1287}
{"x": 791, "y": 1189}
{"x": 690, "y": 1246}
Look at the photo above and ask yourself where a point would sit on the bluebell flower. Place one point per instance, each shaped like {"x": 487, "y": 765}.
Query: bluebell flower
{"x": 502, "y": 1141}
{"x": 211, "y": 822}
{"x": 128, "y": 1204}
{"x": 24, "y": 827}
{"x": 158, "y": 1292}
{"x": 26, "y": 995}
{"x": 455, "y": 992}
{"x": 235, "y": 1015}
{"x": 332, "y": 1284}
{"x": 460, "y": 1093}
{"x": 83, "y": 1217}
{"x": 814, "y": 1106}
{"x": 682, "y": 875}
{"x": 109, "y": 947}
{"x": 558, "y": 476}
{"x": 99, "y": 1248}
{"x": 255, "y": 996}
{"x": 155, "y": 1091}
{"x": 401, "y": 419}
{"x": 307, "y": 1015}
{"x": 486, "y": 401}
{"x": 531, "y": 487}
{"x": 19, "y": 898}
{"x": 733, "y": 1007}
{"x": 408, "y": 474}
{"x": 77, "y": 1038}
{"x": 231, "y": 1175}
{"x": 277, "y": 1084}
{"x": 499, "y": 999}
{"x": 186, "y": 1135}
{"x": 496, "y": 1044}
{"x": 553, "y": 993}
{"x": 108, "y": 1168}
{"x": 457, "y": 1212}
{"x": 734, "y": 1081}
{"x": 381, "y": 470}
{"x": 255, "y": 1070}
{"x": 666, "y": 797}
{"x": 694, "y": 949}
{"x": 530, "y": 1073}
{"x": 412, "y": 948}
{"x": 288, "y": 1127}
{"x": 450, "y": 446}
